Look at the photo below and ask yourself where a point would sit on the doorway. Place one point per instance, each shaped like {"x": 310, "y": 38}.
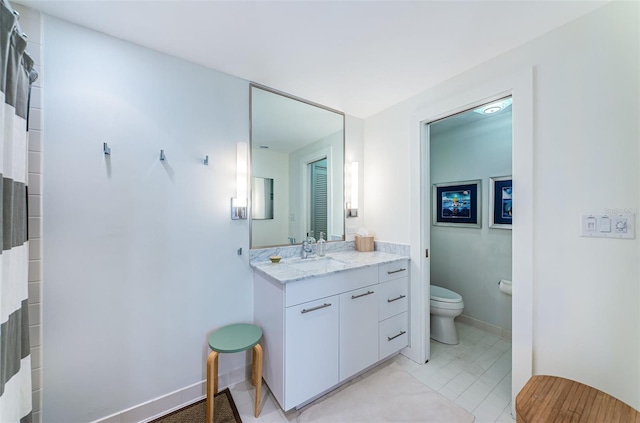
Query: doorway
{"x": 470, "y": 174}
{"x": 519, "y": 85}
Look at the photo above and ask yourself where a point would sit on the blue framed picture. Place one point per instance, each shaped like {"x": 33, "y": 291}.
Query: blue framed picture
{"x": 501, "y": 202}
{"x": 457, "y": 204}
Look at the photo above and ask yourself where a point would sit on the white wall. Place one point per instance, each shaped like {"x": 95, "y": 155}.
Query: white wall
{"x": 470, "y": 261}
{"x": 274, "y": 165}
{"x": 140, "y": 262}
{"x": 586, "y": 314}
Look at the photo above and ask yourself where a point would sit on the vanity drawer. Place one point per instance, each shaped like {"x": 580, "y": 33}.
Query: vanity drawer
{"x": 393, "y": 334}
{"x": 312, "y": 288}
{"x": 391, "y": 271}
{"x": 393, "y": 298}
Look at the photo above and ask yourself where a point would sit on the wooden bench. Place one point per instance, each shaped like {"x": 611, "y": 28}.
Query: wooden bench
{"x": 548, "y": 399}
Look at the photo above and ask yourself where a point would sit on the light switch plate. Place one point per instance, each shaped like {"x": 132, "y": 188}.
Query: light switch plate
{"x": 608, "y": 226}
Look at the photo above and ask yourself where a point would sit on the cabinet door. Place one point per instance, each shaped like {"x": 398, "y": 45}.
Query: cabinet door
{"x": 311, "y": 349}
{"x": 358, "y": 330}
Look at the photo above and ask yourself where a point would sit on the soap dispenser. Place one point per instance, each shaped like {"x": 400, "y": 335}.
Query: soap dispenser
{"x": 321, "y": 243}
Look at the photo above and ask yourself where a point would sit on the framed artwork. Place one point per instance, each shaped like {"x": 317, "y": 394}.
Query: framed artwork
{"x": 500, "y": 202}
{"x": 458, "y": 204}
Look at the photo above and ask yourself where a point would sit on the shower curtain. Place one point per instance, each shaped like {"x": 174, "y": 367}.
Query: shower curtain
{"x": 16, "y": 70}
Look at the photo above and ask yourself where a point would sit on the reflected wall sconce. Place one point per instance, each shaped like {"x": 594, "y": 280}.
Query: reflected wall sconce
{"x": 352, "y": 206}
{"x": 239, "y": 202}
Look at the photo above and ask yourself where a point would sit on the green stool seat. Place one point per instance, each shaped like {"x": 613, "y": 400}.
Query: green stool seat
{"x": 232, "y": 339}
{"x": 235, "y": 338}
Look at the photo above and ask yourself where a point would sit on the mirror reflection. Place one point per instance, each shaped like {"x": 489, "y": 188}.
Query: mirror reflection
{"x": 262, "y": 198}
{"x": 299, "y": 147}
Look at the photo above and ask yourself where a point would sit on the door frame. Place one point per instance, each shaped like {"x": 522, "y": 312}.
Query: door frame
{"x": 519, "y": 86}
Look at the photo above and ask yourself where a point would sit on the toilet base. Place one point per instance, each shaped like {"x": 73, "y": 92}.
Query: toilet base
{"x": 444, "y": 330}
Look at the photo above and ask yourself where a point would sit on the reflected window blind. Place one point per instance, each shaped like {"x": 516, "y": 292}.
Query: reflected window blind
{"x": 319, "y": 200}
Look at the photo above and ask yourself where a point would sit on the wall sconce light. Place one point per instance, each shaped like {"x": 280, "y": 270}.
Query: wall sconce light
{"x": 352, "y": 206}
{"x": 239, "y": 202}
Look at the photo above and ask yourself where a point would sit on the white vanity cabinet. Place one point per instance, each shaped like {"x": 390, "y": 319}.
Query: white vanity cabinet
{"x": 311, "y": 345}
{"x": 393, "y": 307}
{"x": 322, "y": 330}
{"x": 358, "y": 330}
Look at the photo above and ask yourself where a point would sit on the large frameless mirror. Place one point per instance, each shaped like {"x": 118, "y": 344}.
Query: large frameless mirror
{"x": 297, "y": 152}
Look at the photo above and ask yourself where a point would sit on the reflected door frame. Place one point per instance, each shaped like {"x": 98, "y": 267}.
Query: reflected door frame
{"x": 304, "y": 169}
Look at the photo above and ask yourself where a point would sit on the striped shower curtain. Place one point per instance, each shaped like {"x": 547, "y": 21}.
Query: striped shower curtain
{"x": 16, "y": 69}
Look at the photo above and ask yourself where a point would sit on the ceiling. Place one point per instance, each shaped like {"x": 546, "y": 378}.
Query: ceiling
{"x": 359, "y": 57}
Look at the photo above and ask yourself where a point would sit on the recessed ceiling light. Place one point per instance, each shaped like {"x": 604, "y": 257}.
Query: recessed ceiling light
{"x": 491, "y": 109}
{"x": 494, "y": 107}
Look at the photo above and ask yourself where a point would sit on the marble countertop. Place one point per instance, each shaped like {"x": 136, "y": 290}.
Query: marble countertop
{"x": 294, "y": 269}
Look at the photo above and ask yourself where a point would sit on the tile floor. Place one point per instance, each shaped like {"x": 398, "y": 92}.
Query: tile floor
{"x": 475, "y": 374}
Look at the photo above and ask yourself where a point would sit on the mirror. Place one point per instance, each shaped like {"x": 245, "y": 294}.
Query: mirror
{"x": 299, "y": 147}
{"x": 262, "y": 198}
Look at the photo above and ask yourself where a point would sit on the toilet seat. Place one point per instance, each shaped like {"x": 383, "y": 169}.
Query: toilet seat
{"x": 441, "y": 305}
{"x": 443, "y": 295}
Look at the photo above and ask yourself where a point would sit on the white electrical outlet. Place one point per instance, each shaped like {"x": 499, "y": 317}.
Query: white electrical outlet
{"x": 351, "y": 230}
{"x": 608, "y": 226}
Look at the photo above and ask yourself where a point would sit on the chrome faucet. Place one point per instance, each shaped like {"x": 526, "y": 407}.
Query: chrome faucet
{"x": 307, "y": 248}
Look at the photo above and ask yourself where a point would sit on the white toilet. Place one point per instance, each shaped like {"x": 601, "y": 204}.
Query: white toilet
{"x": 445, "y": 306}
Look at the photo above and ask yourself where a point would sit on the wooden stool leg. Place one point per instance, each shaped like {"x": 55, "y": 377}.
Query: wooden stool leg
{"x": 257, "y": 375}
{"x": 253, "y": 367}
{"x": 212, "y": 384}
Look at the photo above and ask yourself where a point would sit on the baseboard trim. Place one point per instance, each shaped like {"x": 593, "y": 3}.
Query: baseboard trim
{"x": 165, "y": 404}
{"x": 492, "y": 329}
{"x": 171, "y": 410}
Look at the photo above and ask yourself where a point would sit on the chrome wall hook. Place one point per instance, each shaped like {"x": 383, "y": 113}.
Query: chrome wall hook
{"x": 206, "y": 160}
{"x": 106, "y": 149}
{"x": 162, "y": 156}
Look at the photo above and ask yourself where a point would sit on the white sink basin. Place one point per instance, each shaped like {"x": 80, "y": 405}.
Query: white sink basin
{"x": 316, "y": 264}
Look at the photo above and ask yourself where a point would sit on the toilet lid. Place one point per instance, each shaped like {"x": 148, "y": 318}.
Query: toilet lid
{"x": 439, "y": 293}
